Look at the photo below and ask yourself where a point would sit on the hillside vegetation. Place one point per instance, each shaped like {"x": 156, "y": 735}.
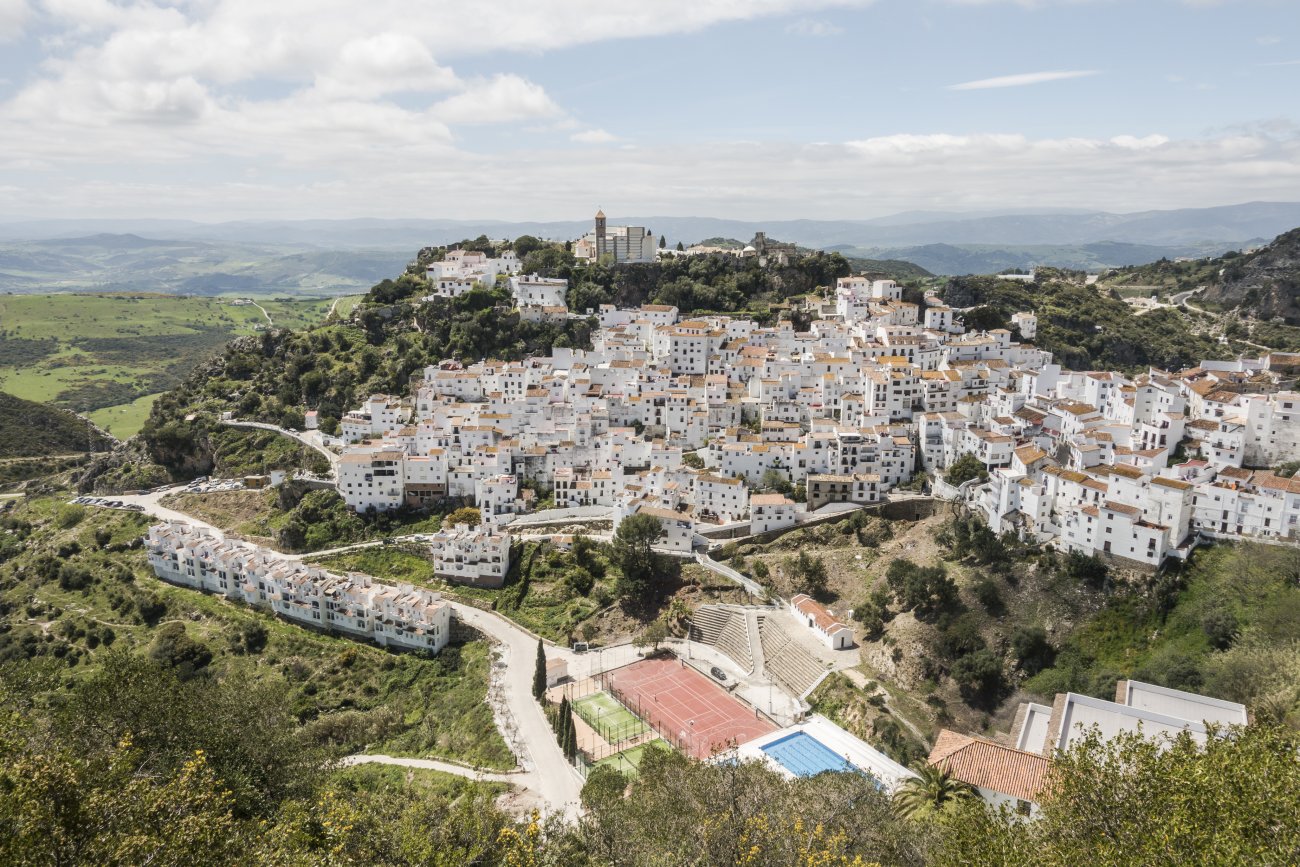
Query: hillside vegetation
{"x": 1084, "y": 329}
{"x": 78, "y": 599}
{"x": 1257, "y": 294}
{"x": 112, "y": 353}
{"x": 29, "y": 429}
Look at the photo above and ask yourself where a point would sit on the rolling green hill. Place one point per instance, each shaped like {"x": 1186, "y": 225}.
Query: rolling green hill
{"x": 29, "y": 429}
{"x": 111, "y": 354}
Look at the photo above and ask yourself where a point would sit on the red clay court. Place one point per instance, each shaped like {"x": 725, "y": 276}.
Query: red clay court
{"x": 688, "y": 710}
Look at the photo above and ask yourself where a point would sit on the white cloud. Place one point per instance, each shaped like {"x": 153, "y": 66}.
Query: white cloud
{"x": 499, "y": 99}
{"x": 1135, "y": 143}
{"x": 813, "y": 27}
{"x": 13, "y": 18}
{"x": 593, "y": 136}
{"x": 1282, "y": 63}
{"x": 1270, "y": 39}
{"x": 330, "y": 163}
{"x": 1022, "y": 79}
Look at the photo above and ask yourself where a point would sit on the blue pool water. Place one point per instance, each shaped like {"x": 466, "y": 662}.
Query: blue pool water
{"x": 803, "y": 755}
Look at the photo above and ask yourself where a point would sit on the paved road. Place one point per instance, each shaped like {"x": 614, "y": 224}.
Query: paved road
{"x": 546, "y": 771}
{"x": 152, "y": 506}
{"x": 309, "y": 438}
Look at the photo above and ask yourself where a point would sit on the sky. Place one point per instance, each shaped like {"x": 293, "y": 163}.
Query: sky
{"x": 545, "y": 109}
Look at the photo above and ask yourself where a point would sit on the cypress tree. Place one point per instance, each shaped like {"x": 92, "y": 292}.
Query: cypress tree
{"x": 539, "y": 672}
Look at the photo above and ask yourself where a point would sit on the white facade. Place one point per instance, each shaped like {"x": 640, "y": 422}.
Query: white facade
{"x": 397, "y": 616}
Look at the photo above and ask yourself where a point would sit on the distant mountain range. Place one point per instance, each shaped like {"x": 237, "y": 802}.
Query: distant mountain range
{"x": 333, "y": 255}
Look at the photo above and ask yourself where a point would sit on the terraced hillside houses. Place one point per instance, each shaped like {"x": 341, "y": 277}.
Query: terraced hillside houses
{"x": 703, "y": 420}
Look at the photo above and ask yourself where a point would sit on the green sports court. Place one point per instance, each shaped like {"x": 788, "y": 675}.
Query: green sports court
{"x": 608, "y": 718}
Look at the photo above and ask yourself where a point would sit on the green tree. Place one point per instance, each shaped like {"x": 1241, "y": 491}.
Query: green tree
{"x": 655, "y": 633}
{"x": 1031, "y": 649}
{"x": 467, "y": 515}
{"x": 964, "y": 469}
{"x": 931, "y": 792}
{"x": 979, "y": 677}
{"x": 641, "y": 568}
{"x": 923, "y": 589}
{"x": 539, "y": 672}
{"x": 1133, "y": 799}
{"x": 526, "y": 244}
{"x": 808, "y": 572}
{"x": 680, "y": 247}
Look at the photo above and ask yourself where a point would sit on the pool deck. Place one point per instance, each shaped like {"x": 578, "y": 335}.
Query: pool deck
{"x": 846, "y": 748}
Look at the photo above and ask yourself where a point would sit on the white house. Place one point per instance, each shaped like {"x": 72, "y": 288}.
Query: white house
{"x": 770, "y": 512}
{"x": 819, "y": 620}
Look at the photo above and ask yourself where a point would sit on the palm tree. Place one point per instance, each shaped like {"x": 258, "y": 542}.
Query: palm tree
{"x": 929, "y": 792}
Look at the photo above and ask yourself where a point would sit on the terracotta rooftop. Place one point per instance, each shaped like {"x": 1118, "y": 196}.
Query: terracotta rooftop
{"x": 990, "y": 765}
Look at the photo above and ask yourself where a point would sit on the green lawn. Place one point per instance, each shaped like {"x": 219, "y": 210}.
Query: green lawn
{"x": 125, "y": 420}
{"x": 629, "y": 761}
{"x": 611, "y": 720}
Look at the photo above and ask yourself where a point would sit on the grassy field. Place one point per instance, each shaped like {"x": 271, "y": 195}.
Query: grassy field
{"x": 111, "y": 354}
{"x": 608, "y": 718}
{"x": 125, "y": 420}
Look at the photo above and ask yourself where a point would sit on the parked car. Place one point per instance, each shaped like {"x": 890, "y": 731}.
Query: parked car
{"x": 718, "y": 673}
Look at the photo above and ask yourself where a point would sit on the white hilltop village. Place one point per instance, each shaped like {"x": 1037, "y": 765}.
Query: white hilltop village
{"x": 695, "y": 420}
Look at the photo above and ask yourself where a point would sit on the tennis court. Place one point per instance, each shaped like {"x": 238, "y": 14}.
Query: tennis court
{"x": 629, "y": 761}
{"x": 608, "y": 718}
{"x": 685, "y": 707}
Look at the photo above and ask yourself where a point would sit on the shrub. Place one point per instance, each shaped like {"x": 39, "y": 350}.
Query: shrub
{"x": 961, "y": 637}
{"x": 989, "y": 595}
{"x": 69, "y": 516}
{"x": 174, "y": 648}
{"x": 1032, "y": 650}
{"x": 1220, "y": 627}
{"x": 74, "y": 577}
{"x": 979, "y": 678}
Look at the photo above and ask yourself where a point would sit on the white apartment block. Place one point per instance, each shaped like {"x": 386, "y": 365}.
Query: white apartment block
{"x": 393, "y": 616}
{"x": 478, "y": 556}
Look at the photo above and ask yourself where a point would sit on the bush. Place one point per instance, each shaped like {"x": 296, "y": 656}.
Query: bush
{"x": 74, "y": 577}
{"x": 1220, "y": 627}
{"x": 925, "y": 589}
{"x": 961, "y": 637}
{"x": 990, "y": 596}
{"x": 174, "y": 648}
{"x": 69, "y": 516}
{"x": 1032, "y": 650}
{"x": 979, "y": 678}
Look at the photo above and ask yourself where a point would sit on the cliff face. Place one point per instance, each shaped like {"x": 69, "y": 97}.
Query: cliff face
{"x": 1264, "y": 284}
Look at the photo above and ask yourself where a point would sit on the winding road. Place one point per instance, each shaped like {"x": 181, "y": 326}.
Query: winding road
{"x": 545, "y": 773}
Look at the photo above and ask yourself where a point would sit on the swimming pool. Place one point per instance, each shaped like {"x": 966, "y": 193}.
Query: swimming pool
{"x": 803, "y": 755}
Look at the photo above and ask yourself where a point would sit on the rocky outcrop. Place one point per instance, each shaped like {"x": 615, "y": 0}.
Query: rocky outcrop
{"x": 1264, "y": 284}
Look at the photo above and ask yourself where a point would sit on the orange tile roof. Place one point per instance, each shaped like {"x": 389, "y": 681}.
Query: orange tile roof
{"x": 990, "y": 765}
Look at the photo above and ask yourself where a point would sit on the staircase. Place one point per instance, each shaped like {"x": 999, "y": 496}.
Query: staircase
{"x": 785, "y": 660}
